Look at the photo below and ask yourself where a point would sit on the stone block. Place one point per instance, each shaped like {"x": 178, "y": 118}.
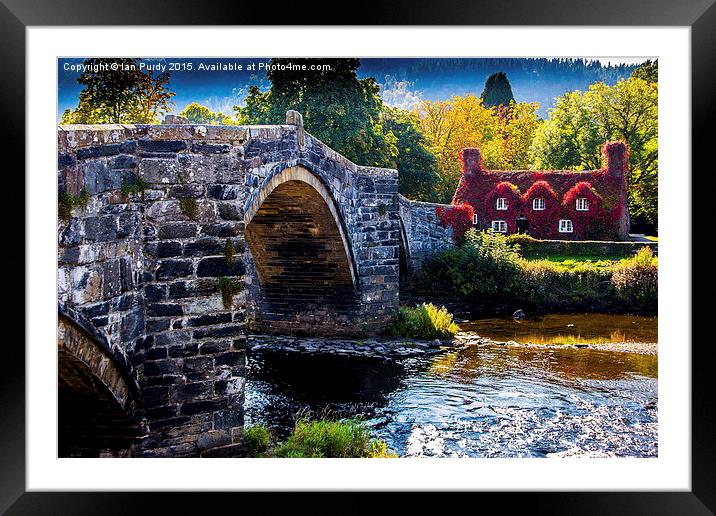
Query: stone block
{"x": 222, "y": 230}
{"x": 159, "y": 170}
{"x": 101, "y": 229}
{"x": 98, "y": 151}
{"x": 199, "y": 407}
{"x": 123, "y": 161}
{"x": 159, "y": 146}
{"x": 171, "y": 269}
{"x": 216, "y": 267}
{"x": 210, "y": 148}
{"x": 212, "y": 439}
{"x": 177, "y": 230}
{"x": 164, "y": 249}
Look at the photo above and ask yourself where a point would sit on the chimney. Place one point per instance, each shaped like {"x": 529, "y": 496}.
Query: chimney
{"x": 471, "y": 161}
{"x": 615, "y": 158}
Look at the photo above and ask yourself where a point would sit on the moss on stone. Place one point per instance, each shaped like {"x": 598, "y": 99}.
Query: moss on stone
{"x": 67, "y": 201}
{"x": 136, "y": 186}
{"x": 229, "y": 252}
{"x": 189, "y": 207}
{"x": 229, "y": 287}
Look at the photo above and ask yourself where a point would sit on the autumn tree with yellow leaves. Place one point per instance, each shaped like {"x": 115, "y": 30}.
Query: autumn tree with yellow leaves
{"x": 503, "y": 133}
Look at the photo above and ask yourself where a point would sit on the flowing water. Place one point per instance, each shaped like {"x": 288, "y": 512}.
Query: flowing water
{"x": 479, "y": 401}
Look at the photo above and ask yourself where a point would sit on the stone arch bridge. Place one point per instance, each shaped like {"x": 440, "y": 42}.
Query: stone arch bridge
{"x": 177, "y": 240}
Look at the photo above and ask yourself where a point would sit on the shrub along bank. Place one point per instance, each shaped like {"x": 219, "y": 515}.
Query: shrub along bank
{"x": 424, "y": 321}
{"x": 533, "y": 248}
{"x": 488, "y": 268}
{"x": 318, "y": 439}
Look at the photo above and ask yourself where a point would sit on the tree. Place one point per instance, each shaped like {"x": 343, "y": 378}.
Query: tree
{"x": 198, "y": 114}
{"x": 411, "y": 156}
{"x": 497, "y": 91}
{"x": 337, "y": 107}
{"x": 117, "y": 91}
{"x": 581, "y": 122}
{"x": 347, "y": 114}
{"x": 503, "y": 134}
{"x": 648, "y": 71}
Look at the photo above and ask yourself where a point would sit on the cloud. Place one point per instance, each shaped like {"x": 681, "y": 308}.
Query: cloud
{"x": 225, "y": 104}
{"x": 397, "y": 93}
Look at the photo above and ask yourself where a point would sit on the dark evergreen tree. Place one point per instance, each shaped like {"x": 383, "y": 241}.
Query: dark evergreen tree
{"x": 416, "y": 164}
{"x": 649, "y": 71}
{"x": 337, "y": 107}
{"x": 498, "y": 91}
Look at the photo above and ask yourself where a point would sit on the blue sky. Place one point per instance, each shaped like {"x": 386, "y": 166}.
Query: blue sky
{"x": 404, "y": 81}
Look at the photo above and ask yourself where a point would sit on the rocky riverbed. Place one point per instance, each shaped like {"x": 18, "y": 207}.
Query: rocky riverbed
{"x": 402, "y": 347}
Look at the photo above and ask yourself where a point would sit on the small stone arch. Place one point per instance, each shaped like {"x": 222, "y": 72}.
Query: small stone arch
{"x": 98, "y": 400}
{"x": 302, "y": 255}
{"x": 302, "y": 174}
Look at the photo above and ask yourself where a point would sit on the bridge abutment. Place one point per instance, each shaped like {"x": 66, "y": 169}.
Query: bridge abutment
{"x": 153, "y": 252}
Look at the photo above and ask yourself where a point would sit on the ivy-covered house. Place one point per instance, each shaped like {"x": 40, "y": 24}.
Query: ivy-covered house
{"x": 549, "y": 204}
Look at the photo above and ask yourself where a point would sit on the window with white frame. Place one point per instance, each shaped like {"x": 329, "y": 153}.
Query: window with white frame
{"x": 582, "y": 204}
{"x": 474, "y": 219}
{"x": 501, "y": 203}
{"x": 499, "y": 226}
{"x": 565, "y": 226}
{"x": 538, "y": 204}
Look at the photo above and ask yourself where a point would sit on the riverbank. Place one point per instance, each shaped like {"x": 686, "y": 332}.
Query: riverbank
{"x": 377, "y": 348}
{"x": 642, "y": 348}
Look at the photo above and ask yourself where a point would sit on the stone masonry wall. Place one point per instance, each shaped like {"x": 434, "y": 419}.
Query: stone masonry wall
{"x": 423, "y": 233}
{"x": 145, "y": 266}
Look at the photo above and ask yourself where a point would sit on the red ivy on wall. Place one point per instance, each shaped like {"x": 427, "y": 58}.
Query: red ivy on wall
{"x": 606, "y": 218}
{"x": 511, "y": 194}
{"x": 458, "y": 217}
{"x": 592, "y": 222}
{"x": 542, "y": 222}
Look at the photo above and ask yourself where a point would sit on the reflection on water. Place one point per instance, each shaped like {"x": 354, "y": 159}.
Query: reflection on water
{"x": 567, "y": 328}
{"x": 480, "y": 401}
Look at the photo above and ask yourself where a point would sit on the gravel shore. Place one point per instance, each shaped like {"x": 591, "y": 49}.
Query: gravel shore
{"x": 643, "y": 348}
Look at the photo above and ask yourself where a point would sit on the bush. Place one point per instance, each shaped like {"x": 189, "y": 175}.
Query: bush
{"x": 636, "y": 280}
{"x": 331, "y": 439}
{"x": 257, "y": 440}
{"x": 485, "y": 265}
{"x": 424, "y": 321}
{"x": 579, "y": 285}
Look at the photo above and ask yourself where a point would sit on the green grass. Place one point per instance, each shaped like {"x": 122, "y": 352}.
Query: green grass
{"x": 257, "y": 440}
{"x": 331, "y": 439}
{"x": 572, "y": 262}
{"x": 425, "y": 321}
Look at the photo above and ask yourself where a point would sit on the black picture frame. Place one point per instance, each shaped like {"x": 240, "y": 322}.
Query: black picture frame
{"x": 17, "y": 15}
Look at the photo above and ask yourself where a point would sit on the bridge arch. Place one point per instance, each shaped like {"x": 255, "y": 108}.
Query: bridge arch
{"x": 98, "y": 399}
{"x": 301, "y": 249}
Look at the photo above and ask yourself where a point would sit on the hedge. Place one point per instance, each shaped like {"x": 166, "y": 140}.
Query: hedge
{"x": 533, "y": 248}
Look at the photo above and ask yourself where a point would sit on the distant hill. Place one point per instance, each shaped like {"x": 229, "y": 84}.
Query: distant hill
{"x": 532, "y": 79}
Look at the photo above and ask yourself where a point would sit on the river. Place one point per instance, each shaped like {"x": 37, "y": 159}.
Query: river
{"x": 480, "y": 401}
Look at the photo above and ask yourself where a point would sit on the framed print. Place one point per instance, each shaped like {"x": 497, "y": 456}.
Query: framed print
{"x": 419, "y": 258}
